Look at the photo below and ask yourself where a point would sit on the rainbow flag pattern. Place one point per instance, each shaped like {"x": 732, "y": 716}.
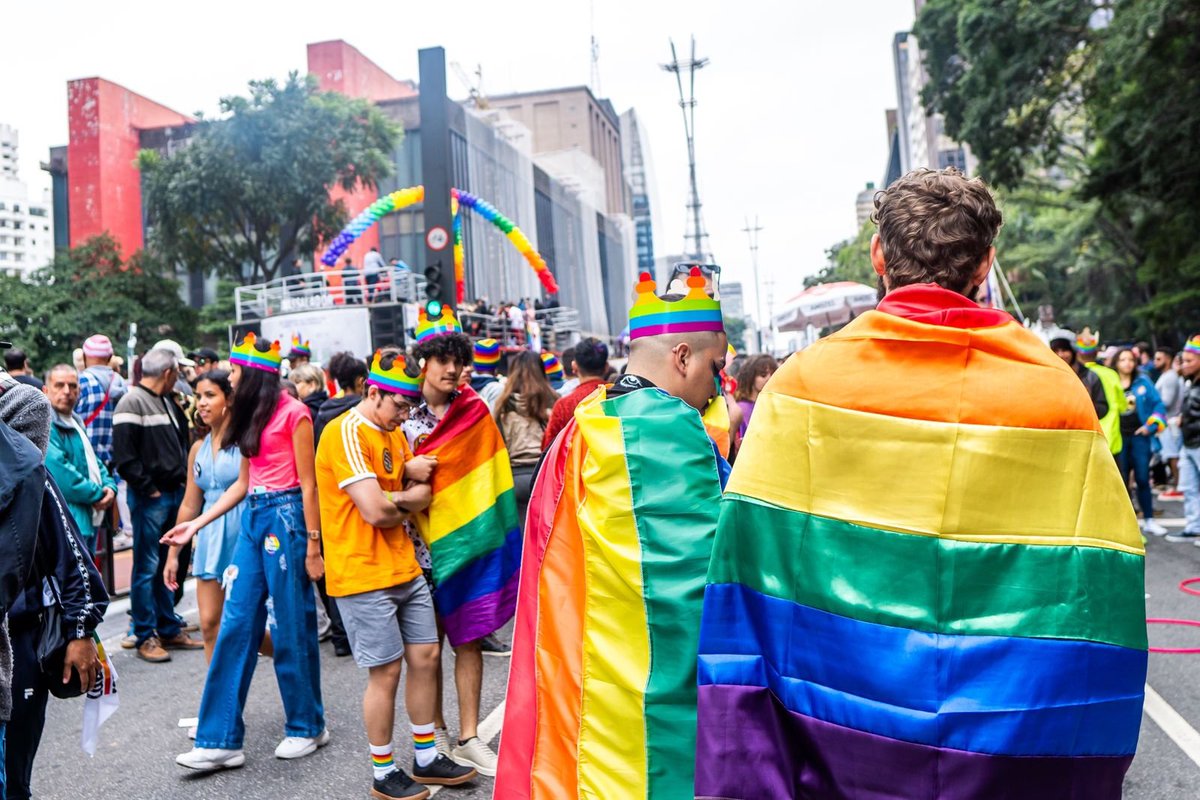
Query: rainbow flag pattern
{"x": 927, "y": 580}
{"x": 471, "y": 526}
{"x": 602, "y": 689}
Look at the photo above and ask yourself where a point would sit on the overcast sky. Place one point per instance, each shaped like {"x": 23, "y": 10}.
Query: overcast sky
{"x": 790, "y": 121}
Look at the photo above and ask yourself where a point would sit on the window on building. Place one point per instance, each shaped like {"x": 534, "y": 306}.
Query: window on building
{"x": 16, "y": 208}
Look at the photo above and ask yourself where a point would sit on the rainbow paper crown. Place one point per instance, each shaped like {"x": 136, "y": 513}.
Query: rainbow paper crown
{"x": 552, "y": 366}
{"x": 247, "y": 354}
{"x": 487, "y": 355}
{"x": 1193, "y": 345}
{"x": 1087, "y": 342}
{"x": 444, "y": 325}
{"x": 394, "y": 379}
{"x": 299, "y": 348}
{"x": 653, "y": 316}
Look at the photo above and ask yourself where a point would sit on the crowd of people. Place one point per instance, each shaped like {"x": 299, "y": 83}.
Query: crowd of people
{"x": 395, "y": 501}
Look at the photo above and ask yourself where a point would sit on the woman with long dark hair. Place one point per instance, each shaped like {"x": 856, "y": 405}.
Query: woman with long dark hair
{"x": 752, "y": 376}
{"x": 278, "y": 554}
{"x": 522, "y": 414}
{"x": 1141, "y": 420}
{"x": 216, "y": 482}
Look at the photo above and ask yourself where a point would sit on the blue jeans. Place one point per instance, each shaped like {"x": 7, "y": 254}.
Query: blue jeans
{"x": 152, "y": 603}
{"x": 266, "y": 583}
{"x": 1189, "y": 484}
{"x": 1, "y": 759}
{"x": 1135, "y": 457}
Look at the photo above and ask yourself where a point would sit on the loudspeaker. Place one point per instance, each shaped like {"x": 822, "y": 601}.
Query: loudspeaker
{"x": 387, "y": 326}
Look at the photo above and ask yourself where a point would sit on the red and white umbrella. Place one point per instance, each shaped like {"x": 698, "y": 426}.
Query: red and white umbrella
{"x": 826, "y": 305}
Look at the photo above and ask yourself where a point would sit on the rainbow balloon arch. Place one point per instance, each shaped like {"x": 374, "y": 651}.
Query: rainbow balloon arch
{"x": 402, "y": 198}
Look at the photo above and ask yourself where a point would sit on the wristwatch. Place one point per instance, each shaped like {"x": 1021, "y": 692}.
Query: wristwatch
{"x": 314, "y": 536}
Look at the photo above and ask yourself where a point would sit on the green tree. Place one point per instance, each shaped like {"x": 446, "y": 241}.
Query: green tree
{"x": 849, "y": 260}
{"x": 1101, "y": 99}
{"x": 92, "y": 289}
{"x": 250, "y": 191}
{"x": 217, "y": 316}
{"x": 735, "y": 331}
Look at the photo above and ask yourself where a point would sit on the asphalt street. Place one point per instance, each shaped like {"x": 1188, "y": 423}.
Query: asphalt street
{"x": 135, "y": 760}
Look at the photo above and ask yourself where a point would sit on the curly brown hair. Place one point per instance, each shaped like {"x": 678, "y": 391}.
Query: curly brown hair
{"x": 755, "y": 366}
{"x": 935, "y": 226}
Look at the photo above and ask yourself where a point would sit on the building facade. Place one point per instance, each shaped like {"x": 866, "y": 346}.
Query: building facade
{"x": 639, "y": 174}
{"x": 26, "y": 218}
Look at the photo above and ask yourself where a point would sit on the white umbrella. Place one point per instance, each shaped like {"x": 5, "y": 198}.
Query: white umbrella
{"x": 826, "y": 305}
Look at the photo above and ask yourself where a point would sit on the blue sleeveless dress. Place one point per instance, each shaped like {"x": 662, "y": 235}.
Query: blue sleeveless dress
{"x": 213, "y": 549}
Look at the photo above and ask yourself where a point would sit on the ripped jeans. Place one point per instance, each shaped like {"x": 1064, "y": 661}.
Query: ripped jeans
{"x": 265, "y": 584}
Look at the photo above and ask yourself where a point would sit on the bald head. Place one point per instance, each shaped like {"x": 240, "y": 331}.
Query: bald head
{"x": 685, "y": 365}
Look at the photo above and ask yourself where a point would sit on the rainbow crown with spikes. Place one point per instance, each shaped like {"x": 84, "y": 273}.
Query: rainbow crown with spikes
{"x": 1193, "y": 345}
{"x": 442, "y": 326}
{"x": 552, "y": 367}
{"x": 1087, "y": 342}
{"x": 653, "y": 316}
{"x": 247, "y": 354}
{"x": 487, "y": 355}
{"x": 394, "y": 379}
{"x": 299, "y": 348}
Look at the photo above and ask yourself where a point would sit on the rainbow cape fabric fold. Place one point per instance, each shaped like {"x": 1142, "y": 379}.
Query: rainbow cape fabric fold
{"x": 927, "y": 580}
{"x": 602, "y": 689}
{"x": 471, "y": 526}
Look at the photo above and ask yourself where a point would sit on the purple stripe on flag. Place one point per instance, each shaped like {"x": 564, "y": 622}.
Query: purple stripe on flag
{"x": 483, "y": 615}
{"x": 750, "y": 746}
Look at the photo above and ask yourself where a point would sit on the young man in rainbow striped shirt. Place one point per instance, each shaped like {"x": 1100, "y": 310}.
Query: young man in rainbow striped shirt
{"x": 368, "y": 481}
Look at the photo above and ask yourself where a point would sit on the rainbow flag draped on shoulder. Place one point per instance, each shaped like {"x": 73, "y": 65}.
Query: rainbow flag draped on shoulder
{"x": 927, "y": 580}
{"x": 602, "y": 690}
{"x": 471, "y": 526}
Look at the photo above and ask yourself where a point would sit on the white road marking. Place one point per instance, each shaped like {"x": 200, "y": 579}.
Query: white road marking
{"x": 487, "y": 731}
{"x": 1173, "y": 725}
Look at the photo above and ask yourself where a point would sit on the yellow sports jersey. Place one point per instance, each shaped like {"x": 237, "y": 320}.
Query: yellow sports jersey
{"x": 360, "y": 557}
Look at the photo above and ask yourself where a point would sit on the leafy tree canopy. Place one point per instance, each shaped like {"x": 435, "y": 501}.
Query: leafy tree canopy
{"x": 92, "y": 289}
{"x": 250, "y": 191}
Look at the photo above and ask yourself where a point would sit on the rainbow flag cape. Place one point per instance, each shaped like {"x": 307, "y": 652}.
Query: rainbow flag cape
{"x": 602, "y": 690}
{"x": 471, "y": 526}
{"x": 927, "y": 580}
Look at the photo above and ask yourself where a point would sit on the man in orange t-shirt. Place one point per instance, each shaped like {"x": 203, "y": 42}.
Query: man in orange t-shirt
{"x": 363, "y": 462}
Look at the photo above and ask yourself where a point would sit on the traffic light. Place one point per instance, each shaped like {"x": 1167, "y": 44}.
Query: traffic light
{"x": 433, "y": 289}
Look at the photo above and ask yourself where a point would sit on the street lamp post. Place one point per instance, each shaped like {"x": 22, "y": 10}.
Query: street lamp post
{"x": 752, "y": 235}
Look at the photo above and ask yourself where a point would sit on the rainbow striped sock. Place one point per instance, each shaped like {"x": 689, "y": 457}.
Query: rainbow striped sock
{"x": 424, "y": 745}
{"x": 381, "y": 760}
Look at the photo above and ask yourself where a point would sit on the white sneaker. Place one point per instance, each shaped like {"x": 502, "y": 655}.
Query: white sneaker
{"x": 476, "y": 754}
{"x": 208, "y": 759}
{"x": 192, "y": 731}
{"x": 301, "y": 746}
{"x": 1153, "y": 528}
{"x": 441, "y": 741}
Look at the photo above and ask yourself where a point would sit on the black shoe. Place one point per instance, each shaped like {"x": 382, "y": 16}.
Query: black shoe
{"x": 398, "y": 786}
{"x": 492, "y": 646}
{"x": 341, "y": 649}
{"x": 443, "y": 772}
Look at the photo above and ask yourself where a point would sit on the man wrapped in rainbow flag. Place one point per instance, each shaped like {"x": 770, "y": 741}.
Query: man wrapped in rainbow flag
{"x": 927, "y": 580}
{"x": 602, "y": 691}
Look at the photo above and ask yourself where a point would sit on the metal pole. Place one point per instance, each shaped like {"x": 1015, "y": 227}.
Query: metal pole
{"x": 435, "y": 170}
{"x": 752, "y": 235}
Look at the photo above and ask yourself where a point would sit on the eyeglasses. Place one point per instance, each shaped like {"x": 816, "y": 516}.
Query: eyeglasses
{"x": 682, "y": 269}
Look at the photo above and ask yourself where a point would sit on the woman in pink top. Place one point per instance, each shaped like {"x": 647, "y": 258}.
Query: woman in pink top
{"x": 278, "y": 555}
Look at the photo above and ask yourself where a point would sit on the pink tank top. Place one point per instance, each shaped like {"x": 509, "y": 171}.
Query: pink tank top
{"x": 275, "y": 465}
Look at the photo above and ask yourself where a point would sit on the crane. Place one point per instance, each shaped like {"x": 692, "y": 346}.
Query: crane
{"x": 474, "y": 88}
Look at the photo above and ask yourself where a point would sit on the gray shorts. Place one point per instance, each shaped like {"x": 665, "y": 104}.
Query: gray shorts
{"x": 371, "y": 621}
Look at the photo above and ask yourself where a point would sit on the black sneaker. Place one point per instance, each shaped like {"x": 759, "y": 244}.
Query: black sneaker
{"x": 341, "y": 649}
{"x": 1185, "y": 536}
{"x": 443, "y": 772}
{"x": 492, "y": 646}
{"x": 398, "y": 786}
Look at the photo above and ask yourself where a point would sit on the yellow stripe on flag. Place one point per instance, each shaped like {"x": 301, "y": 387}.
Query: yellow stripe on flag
{"x": 616, "y": 642}
{"x": 466, "y": 498}
{"x": 973, "y": 483}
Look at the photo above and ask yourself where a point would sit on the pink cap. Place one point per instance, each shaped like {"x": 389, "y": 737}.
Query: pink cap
{"x": 98, "y": 346}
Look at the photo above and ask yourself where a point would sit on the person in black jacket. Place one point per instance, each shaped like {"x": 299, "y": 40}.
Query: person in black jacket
{"x": 1063, "y": 344}
{"x": 350, "y": 372}
{"x": 33, "y": 510}
{"x": 1189, "y": 456}
{"x": 150, "y": 447}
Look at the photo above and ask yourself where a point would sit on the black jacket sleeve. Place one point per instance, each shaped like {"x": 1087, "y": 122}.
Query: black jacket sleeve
{"x": 1096, "y": 389}
{"x": 1190, "y": 424}
{"x": 22, "y": 483}
{"x": 81, "y": 590}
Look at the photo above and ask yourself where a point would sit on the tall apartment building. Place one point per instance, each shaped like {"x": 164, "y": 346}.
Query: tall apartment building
{"x": 26, "y": 224}
{"x": 639, "y": 173}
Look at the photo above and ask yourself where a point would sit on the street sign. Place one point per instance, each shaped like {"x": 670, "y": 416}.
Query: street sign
{"x": 437, "y": 238}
